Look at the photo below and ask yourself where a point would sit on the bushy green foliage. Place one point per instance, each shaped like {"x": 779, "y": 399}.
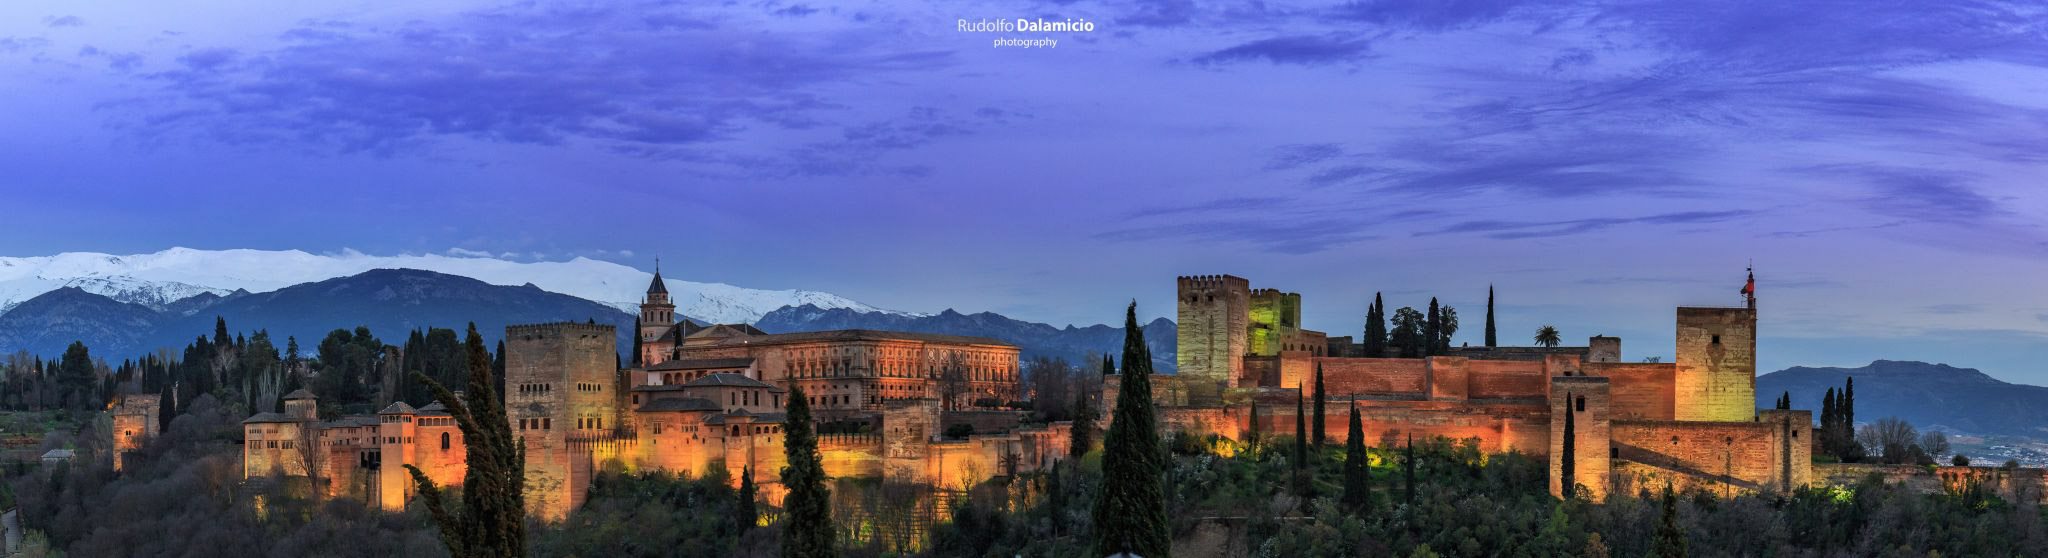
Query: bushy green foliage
{"x": 649, "y": 513}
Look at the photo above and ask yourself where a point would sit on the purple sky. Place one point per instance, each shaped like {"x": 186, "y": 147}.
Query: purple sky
{"x": 1882, "y": 163}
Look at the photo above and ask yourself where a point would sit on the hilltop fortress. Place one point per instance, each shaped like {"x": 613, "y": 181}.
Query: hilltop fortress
{"x": 698, "y": 397}
{"x": 1690, "y": 422}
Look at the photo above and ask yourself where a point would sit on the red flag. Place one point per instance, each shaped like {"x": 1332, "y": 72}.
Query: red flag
{"x": 1750, "y": 288}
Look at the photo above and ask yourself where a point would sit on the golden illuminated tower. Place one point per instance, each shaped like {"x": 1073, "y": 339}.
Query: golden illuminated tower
{"x": 1716, "y": 350}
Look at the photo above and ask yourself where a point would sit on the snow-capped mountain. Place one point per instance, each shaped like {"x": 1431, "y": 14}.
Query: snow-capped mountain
{"x": 155, "y": 280}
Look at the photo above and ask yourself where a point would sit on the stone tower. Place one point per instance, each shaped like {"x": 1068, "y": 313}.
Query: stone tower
{"x": 657, "y": 315}
{"x": 1587, "y": 398}
{"x": 1716, "y": 357}
{"x": 1275, "y": 318}
{"x": 1215, "y": 322}
{"x": 560, "y": 385}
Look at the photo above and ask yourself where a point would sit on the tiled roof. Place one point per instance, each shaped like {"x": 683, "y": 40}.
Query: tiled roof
{"x": 270, "y": 417}
{"x": 702, "y": 363}
{"x": 860, "y": 335}
{"x": 398, "y": 408}
{"x": 298, "y": 394}
{"x": 674, "y": 404}
{"x": 434, "y": 408}
{"x": 726, "y": 380}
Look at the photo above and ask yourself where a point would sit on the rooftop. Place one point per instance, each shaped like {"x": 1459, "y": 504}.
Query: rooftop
{"x": 703, "y": 363}
{"x": 727, "y": 380}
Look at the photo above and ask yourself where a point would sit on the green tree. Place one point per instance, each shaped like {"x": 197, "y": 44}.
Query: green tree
{"x": 1375, "y": 341}
{"x": 1568, "y": 471}
{"x": 1300, "y": 461}
{"x": 1081, "y": 437}
{"x": 1316, "y": 433}
{"x": 1490, "y": 340}
{"x": 807, "y": 529}
{"x": 1447, "y": 327}
{"x": 1130, "y": 510}
{"x": 1408, "y": 331}
{"x": 1433, "y": 330}
{"x": 491, "y": 521}
{"x": 1408, "y": 472}
{"x": 1670, "y": 539}
{"x": 1252, "y": 426}
{"x": 1357, "y": 475}
{"x": 76, "y": 377}
{"x": 745, "y": 515}
{"x": 1547, "y": 336}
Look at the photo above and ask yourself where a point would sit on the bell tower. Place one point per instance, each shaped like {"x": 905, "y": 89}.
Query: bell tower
{"x": 657, "y": 315}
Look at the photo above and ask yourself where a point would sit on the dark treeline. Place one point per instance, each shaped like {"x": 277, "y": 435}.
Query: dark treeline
{"x": 351, "y": 370}
{"x": 1413, "y": 333}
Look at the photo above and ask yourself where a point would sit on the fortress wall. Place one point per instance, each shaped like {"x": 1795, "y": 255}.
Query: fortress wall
{"x": 983, "y": 421}
{"x": 1447, "y": 377}
{"x": 2019, "y": 486}
{"x": 851, "y": 455}
{"x": 1738, "y": 456}
{"x": 1344, "y": 377}
{"x": 1499, "y": 426}
{"x": 1642, "y": 391}
{"x": 1496, "y": 379}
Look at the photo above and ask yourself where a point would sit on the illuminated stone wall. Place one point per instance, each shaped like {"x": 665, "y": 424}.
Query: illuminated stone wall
{"x": 135, "y": 421}
{"x": 1213, "y": 315}
{"x": 1771, "y": 453}
{"x": 1642, "y": 391}
{"x": 1716, "y": 374}
{"x": 1587, "y": 398}
{"x": 563, "y": 376}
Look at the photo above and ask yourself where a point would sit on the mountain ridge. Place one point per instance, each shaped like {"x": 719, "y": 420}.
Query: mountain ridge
{"x": 1939, "y": 396}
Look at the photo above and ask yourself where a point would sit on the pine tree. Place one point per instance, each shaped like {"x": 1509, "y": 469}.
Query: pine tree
{"x": 1316, "y": 434}
{"x": 1408, "y": 471}
{"x": 1670, "y": 540}
{"x": 1130, "y": 510}
{"x": 1568, "y": 469}
{"x": 807, "y": 525}
{"x": 1490, "y": 340}
{"x": 1847, "y": 406}
{"x": 1433, "y": 333}
{"x": 492, "y": 519}
{"x": 1357, "y": 477}
{"x": 746, "y": 515}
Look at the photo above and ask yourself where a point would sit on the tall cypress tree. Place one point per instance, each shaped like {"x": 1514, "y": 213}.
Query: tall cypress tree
{"x": 1301, "y": 480}
{"x": 1108, "y": 367}
{"x": 1375, "y": 342}
{"x": 1408, "y": 471}
{"x": 745, "y": 515}
{"x": 1316, "y": 434}
{"x": 1490, "y": 340}
{"x": 492, "y": 519}
{"x": 1130, "y": 510}
{"x": 1432, "y": 331}
{"x": 1252, "y": 424}
{"x": 1828, "y": 411}
{"x": 1081, "y": 437}
{"x": 1847, "y": 406}
{"x": 807, "y": 509}
{"x": 1357, "y": 478}
{"x": 1670, "y": 540}
{"x": 1568, "y": 473}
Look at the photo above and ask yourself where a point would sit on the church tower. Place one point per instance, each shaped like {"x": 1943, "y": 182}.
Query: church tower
{"x": 657, "y": 315}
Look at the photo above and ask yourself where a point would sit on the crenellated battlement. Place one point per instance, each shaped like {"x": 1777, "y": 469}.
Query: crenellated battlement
{"x": 560, "y": 327}
{"x": 1211, "y": 282}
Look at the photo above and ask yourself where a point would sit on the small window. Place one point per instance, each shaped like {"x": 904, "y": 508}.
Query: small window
{"x": 1674, "y": 440}
{"x": 1613, "y": 452}
{"x": 444, "y": 441}
{"x": 1717, "y": 339}
{"x": 1582, "y": 403}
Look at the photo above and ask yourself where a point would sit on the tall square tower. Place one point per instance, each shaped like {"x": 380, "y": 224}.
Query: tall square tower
{"x": 1215, "y": 321}
{"x": 1716, "y": 357}
{"x": 560, "y": 383}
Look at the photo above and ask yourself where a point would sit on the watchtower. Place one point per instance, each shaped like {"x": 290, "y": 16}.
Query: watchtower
{"x": 1214, "y": 314}
{"x": 560, "y": 382}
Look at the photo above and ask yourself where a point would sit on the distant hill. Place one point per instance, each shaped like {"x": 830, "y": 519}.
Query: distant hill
{"x": 1927, "y": 395}
{"x": 388, "y": 301}
{"x": 1033, "y": 338}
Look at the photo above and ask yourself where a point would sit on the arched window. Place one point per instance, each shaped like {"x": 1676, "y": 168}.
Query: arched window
{"x": 444, "y": 441}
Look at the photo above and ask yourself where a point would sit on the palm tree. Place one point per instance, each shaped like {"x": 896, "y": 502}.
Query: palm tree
{"x": 1547, "y": 336}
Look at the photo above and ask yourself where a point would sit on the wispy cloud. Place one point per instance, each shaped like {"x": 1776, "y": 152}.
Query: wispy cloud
{"x": 1297, "y": 49}
{"x": 1509, "y": 230}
